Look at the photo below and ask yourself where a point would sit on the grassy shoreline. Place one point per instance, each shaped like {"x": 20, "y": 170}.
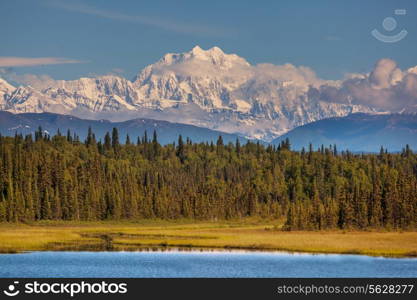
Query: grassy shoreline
{"x": 188, "y": 234}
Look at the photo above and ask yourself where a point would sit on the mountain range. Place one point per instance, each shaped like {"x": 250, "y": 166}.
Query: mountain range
{"x": 357, "y": 132}
{"x": 167, "y": 132}
{"x": 205, "y": 88}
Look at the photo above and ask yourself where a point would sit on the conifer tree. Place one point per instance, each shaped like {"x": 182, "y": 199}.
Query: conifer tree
{"x": 107, "y": 142}
{"x": 115, "y": 139}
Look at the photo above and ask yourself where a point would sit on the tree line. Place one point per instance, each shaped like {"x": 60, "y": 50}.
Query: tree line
{"x": 59, "y": 177}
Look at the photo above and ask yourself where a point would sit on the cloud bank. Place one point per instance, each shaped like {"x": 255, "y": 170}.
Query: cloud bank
{"x": 12, "y": 61}
{"x": 386, "y": 88}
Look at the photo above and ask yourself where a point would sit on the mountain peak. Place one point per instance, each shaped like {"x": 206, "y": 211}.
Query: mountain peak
{"x": 197, "y": 50}
{"x": 213, "y": 56}
{"x": 203, "y": 87}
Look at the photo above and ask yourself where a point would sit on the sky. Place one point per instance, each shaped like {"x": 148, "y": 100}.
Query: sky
{"x": 72, "y": 39}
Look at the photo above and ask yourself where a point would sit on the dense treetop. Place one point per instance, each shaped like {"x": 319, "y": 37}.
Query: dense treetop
{"x": 62, "y": 178}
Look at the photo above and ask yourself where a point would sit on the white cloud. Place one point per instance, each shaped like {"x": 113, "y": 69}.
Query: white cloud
{"x": 301, "y": 76}
{"x": 385, "y": 74}
{"x": 215, "y": 63}
{"x": 12, "y": 61}
{"x": 38, "y": 82}
{"x": 386, "y": 88}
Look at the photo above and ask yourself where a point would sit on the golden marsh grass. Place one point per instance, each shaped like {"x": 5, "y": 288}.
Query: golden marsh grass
{"x": 185, "y": 234}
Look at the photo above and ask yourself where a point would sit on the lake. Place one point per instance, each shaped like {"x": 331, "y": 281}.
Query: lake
{"x": 201, "y": 264}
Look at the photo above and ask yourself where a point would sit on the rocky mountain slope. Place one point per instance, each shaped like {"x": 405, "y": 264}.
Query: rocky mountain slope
{"x": 206, "y": 88}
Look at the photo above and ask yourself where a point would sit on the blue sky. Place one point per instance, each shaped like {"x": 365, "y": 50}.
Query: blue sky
{"x": 85, "y": 38}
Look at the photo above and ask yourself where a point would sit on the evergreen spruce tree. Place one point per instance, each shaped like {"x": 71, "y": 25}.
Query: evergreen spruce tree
{"x": 107, "y": 142}
{"x": 181, "y": 149}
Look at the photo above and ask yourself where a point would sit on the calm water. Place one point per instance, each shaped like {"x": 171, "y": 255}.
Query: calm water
{"x": 201, "y": 264}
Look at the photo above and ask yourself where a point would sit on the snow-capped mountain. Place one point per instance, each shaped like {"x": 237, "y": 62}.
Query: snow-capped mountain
{"x": 206, "y": 88}
{"x": 206, "y": 78}
{"x": 5, "y": 90}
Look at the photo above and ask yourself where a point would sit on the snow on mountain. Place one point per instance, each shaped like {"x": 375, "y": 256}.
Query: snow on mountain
{"x": 206, "y": 88}
{"x": 5, "y": 90}
{"x": 206, "y": 78}
{"x": 104, "y": 93}
{"x": 412, "y": 70}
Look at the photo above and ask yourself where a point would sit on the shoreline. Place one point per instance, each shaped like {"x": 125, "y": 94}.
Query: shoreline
{"x": 201, "y": 236}
{"x": 219, "y": 250}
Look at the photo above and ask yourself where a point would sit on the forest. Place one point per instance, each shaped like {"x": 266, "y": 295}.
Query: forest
{"x": 59, "y": 177}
